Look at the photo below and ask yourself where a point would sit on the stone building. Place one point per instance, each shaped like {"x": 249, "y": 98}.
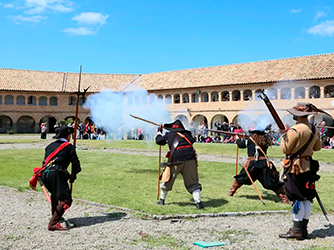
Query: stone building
{"x": 225, "y": 93}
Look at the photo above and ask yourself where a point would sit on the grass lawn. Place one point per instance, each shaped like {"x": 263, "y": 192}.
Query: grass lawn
{"x": 131, "y": 180}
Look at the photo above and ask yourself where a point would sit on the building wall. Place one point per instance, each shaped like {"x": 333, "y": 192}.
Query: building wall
{"x": 208, "y": 104}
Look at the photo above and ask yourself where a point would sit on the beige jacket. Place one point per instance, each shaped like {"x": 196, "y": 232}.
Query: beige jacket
{"x": 296, "y": 137}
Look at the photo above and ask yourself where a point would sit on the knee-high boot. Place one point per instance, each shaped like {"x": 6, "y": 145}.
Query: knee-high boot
{"x": 295, "y": 232}
{"x": 54, "y": 222}
{"x": 304, "y": 229}
{"x": 234, "y": 187}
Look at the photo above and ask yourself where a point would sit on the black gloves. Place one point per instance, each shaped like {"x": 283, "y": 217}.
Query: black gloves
{"x": 160, "y": 128}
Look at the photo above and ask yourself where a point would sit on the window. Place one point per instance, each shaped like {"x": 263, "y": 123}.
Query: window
{"x": 168, "y": 99}
{"x": 214, "y": 96}
{"x": 9, "y": 100}
{"x": 329, "y": 91}
{"x": 177, "y": 98}
{"x": 20, "y": 100}
{"x": 300, "y": 93}
{"x": 31, "y": 100}
{"x": 42, "y": 101}
{"x": 225, "y": 96}
{"x": 248, "y": 95}
{"x": 185, "y": 98}
{"x": 205, "y": 97}
{"x": 286, "y": 94}
{"x": 314, "y": 92}
{"x": 53, "y": 101}
{"x": 72, "y": 100}
{"x": 236, "y": 95}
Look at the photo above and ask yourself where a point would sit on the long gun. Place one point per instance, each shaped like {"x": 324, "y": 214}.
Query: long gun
{"x": 156, "y": 124}
{"x": 329, "y": 127}
{"x": 228, "y": 133}
{"x": 271, "y": 109}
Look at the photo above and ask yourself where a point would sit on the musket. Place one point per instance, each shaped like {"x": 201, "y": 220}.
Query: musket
{"x": 228, "y": 133}
{"x": 271, "y": 109}
{"x": 321, "y": 205}
{"x": 325, "y": 127}
{"x": 156, "y": 124}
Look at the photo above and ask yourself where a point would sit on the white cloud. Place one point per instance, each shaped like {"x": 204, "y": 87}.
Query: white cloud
{"x": 81, "y": 31}
{"x": 296, "y": 11}
{"x": 319, "y": 14}
{"x": 91, "y": 18}
{"x": 33, "y": 19}
{"x": 40, "y": 6}
{"x": 324, "y": 29}
{"x": 8, "y": 5}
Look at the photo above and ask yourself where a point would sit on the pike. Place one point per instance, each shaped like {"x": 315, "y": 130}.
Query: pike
{"x": 280, "y": 124}
{"x": 78, "y": 93}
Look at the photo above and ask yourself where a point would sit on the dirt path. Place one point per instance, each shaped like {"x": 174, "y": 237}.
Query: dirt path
{"x": 24, "y": 217}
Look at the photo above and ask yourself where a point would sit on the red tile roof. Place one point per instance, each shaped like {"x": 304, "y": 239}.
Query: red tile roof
{"x": 289, "y": 69}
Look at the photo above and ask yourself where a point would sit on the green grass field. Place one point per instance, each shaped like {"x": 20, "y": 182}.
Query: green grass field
{"x": 131, "y": 180}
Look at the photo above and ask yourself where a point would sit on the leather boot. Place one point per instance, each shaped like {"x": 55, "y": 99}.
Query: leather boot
{"x": 54, "y": 224}
{"x": 161, "y": 202}
{"x": 234, "y": 187}
{"x": 304, "y": 229}
{"x": 295, "y": 232}
{"x": 281, "y": 193}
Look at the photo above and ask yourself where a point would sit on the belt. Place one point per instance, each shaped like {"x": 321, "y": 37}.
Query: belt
{"x": 181, "y": 147}
{"x": 251, "y": 158}
{"x": 56, "y": 167}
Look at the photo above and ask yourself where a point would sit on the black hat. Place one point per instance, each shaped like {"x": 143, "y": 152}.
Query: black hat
{"x": 64, "y": 131}
{"x": 176, "y": 126}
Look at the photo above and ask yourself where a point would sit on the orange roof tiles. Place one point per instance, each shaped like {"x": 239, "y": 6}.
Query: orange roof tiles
{"x": 289, "y": 69}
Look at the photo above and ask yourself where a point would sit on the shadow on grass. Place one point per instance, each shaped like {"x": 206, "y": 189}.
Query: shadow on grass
{"x": 142, "y": 171}
{"x": 324, "y": 232}
{"x": 266, "y": 196}
{"x": 89, "y": 221}
{"x": 208, "y": 203}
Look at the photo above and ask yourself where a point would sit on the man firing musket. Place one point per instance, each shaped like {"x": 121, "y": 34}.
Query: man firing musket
{"x": 300, "y": 170}
{"x": 182, "y": 158}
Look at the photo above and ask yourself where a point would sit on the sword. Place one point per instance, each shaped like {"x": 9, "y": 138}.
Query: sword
{"x": 321, "y": 206}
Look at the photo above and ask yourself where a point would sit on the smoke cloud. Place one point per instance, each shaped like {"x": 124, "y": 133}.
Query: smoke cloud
{"x": 111, "y": 110}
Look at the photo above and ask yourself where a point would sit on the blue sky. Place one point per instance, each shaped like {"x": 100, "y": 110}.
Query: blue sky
{"x": 114, "y": 36}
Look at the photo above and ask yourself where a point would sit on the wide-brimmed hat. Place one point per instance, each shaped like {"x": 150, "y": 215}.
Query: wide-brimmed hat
{"x": 64, "y": 131}
{"x": 175, "y": 126}
{"x": 305, "y": 109}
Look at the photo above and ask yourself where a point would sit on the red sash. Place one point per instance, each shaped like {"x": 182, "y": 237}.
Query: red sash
{"x": 37, "y": 171}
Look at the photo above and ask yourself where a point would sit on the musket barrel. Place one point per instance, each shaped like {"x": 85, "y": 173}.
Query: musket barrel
{"x": 228, "y": 133}
{"x": 136, "y": 117}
